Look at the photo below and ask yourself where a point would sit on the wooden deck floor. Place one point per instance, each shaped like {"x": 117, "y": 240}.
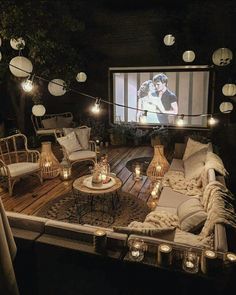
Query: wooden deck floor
{"x": 29, "y": 196}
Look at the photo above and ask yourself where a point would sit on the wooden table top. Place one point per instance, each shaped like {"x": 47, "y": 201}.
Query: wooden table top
{"x": 80, "y": 187}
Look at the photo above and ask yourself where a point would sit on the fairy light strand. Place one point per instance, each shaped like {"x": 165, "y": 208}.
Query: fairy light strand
{"x": 109, "y": 102}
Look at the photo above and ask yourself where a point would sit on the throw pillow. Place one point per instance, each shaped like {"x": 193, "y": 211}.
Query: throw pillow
{"x": 66, "y": 131}
{"x": 83, "y": 135}
{"x": 50, "y": 123}
{"x": 191, "y": 215}
{"x": 64, "y": 122}
{"x": 161, "y": 233}
{"x": 70, "y": 143}
{"x": 193, "y": 147}
{"x": 194, "y": 165}
{"x": 213, "y": 161}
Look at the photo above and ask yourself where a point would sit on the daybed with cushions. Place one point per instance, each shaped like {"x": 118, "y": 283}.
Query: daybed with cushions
{"x": 194, "y": 206}
{"x": 47, "y": 124}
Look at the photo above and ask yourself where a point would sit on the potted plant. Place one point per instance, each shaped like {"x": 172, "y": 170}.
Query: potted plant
{"x": 117, "y": 134}
{"x": 160, "y": 136}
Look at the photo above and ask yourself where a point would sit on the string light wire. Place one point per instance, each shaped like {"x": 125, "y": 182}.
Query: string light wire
{"x": 109, "y": 102}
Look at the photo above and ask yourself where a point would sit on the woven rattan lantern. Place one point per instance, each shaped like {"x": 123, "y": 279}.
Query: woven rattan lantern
{"x": 48, "y": 162}
{"x": 159, "y": 165}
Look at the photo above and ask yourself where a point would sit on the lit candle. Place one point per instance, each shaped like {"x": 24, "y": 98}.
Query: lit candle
{"x": 191, "y": 262}
{"x": 103, "y": 177}
{"x": 158, "y": 168}
{"x": 164, "y": 255}
{"x": 47, "y": 164}
{"x": 137, "y": 172}
{"x": 231, "y": 257}
{"x": 210, "y": 262}
{"x": 100, "y": 241}
{"x": 154, "y": 193}
{"x": 136, "y": 249}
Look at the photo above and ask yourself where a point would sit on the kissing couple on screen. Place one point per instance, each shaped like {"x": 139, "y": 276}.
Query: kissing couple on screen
{"x": 155, "y": 98}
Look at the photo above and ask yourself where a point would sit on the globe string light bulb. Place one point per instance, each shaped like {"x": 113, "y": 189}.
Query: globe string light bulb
{"x": 180, "y": 121}
{"x": 96, "y": 107}
{"x": 27, "y": 85}
{"x": 212, "y": 121}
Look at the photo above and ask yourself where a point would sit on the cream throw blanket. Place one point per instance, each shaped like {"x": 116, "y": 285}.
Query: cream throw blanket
{"x": 177, "y": 181}
{"x": 217, "y": 201}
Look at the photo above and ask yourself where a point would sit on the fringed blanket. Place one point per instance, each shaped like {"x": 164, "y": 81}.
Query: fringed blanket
{"x": 217, "y": 201}
{"x": 176, "y": 180}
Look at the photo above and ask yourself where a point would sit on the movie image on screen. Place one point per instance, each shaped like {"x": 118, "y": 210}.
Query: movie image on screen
{"x": 161, "y": 94}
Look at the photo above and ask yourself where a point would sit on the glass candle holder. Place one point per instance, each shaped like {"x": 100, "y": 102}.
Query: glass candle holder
{"x": 190, "y": 262}
{"x": 164, "y": 254}
{"x": 137, "y": 249}
{"x": 137, "y": 172}
{"x": 100, "y": 241}
{"x": 209, "y": 261}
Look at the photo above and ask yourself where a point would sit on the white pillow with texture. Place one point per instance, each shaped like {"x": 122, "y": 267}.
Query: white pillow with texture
{"x": 70, "y": 143}
{"x": 194, "y": 165}
{"x": 50, "y": 123}
{"x": 193, "y": 147}
{"x": 192, "y": 215}
{"x": 67, "y": 130}
{"x": 83, "y": 135}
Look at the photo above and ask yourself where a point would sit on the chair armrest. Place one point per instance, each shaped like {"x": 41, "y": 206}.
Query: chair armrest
{"x": 34, "y": 154}
{"x": 92, "y": 145}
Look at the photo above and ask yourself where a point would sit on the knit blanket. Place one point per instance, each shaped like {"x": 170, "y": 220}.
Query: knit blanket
{"x": 217, "y": 201}
{"x": 177, "y": 181}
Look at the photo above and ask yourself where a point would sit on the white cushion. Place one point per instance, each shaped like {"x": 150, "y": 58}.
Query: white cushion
{"x": 191, "y": 215}
{"x": 67, "y": 130}
{"x": 70, "y": 143}
{"x": 50, "y": 123}
{"x": 17, "y": 169}
{"x": 80, "y": 155}
{"x": 194, "y": 165}
{"x": 193, "y": 147}
{"x": 83, "y": 135}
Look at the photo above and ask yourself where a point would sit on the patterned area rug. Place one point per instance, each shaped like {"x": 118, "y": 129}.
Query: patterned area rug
{"x": 142, "y": 162}
{"x": 65, "y": 208}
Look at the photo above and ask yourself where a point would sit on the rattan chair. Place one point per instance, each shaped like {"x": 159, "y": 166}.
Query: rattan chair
{"x": 80, "y": 155}
{"x": 17, "y": 161}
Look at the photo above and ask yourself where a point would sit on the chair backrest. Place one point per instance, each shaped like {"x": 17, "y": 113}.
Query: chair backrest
{"x": 37, "y": 121}
{"x": 13, "y": 148}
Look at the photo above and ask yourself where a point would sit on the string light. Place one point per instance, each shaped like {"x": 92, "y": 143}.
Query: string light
{"x": 96, "y": 107}
{"x": 27, "y": 85}
{"x": 180, "y": 121}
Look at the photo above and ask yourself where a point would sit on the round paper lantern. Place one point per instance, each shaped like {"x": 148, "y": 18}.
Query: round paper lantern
{"x": 38, "y": 110}
{"x": 188, "y": 56}
{"x": 20, "y": 66}
{"x": 81, "y": 77}
{"x": 57, "y": 87}
{"x": 229, "y": 89}
{"x": 18, "y": 43}
{"x": 222, "y": 56}
{"x": 226, "y": 107}
{"x": 169, "y": 40}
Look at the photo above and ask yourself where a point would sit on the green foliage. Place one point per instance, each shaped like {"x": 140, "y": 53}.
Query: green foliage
{"x": 51, "y": 30}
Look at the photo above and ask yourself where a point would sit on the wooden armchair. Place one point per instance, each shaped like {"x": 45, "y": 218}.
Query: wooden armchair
{"x": 17, "y": 161}
{"x": 74, "y": 146}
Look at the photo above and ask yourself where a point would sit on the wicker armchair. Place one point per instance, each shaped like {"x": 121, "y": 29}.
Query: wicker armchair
{"x": 17, "y": 161}
{"x": 76, "y": 156}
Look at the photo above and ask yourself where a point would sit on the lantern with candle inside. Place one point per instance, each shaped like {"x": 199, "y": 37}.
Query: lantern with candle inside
{"x": 100, "y": 241}
{"x": 137, "y": 172}
{"x": 159, "y": 165}
{"x": 156, "y": 189}
{"x": 164, "y": 255}
{"x": 48, "y": 162}
{"x": 137, "y": 249}
{"x": 65, "y": 171}
{"x": 190, "y": 261}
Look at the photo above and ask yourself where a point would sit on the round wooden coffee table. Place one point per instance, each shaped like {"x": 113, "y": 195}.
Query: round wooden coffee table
{"x": 96, "y": 204}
